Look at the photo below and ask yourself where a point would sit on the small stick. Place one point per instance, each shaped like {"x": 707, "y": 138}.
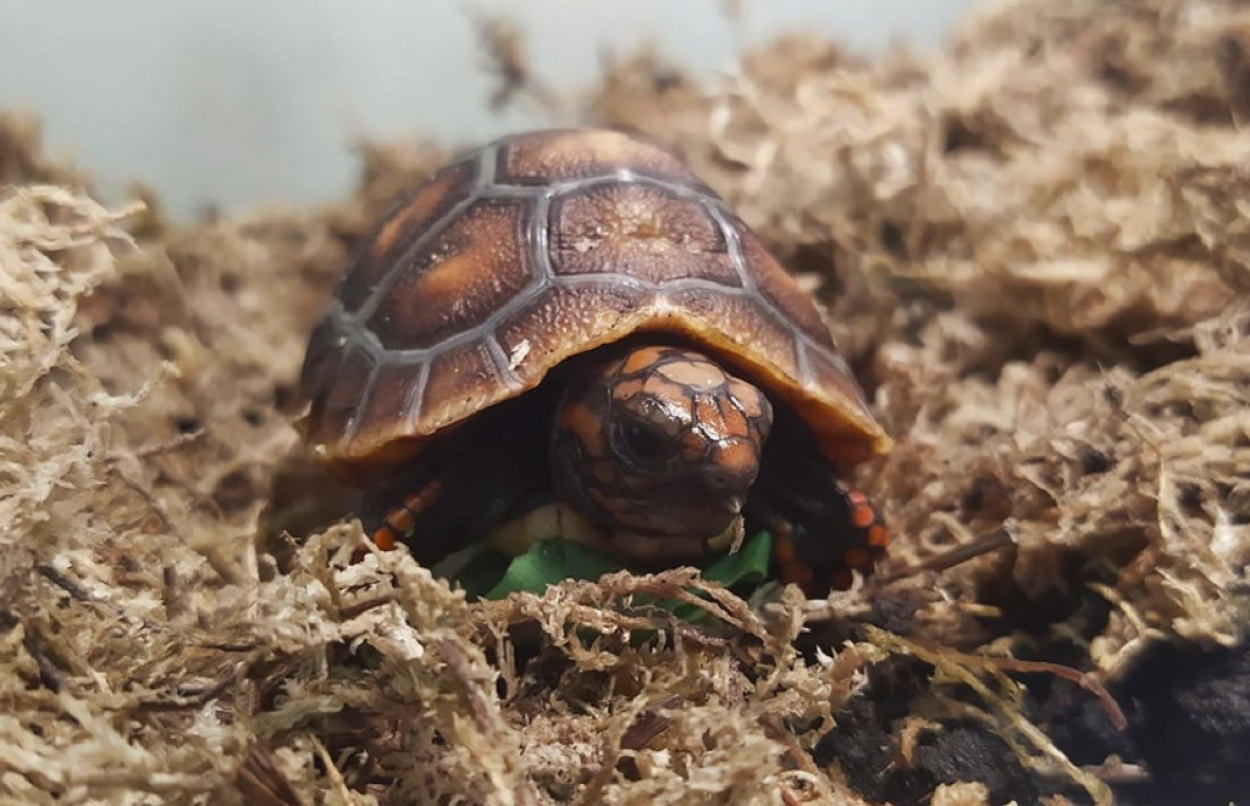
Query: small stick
{"x": 1002, "y": 537}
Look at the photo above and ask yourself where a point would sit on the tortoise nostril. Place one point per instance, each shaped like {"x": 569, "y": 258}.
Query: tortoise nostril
{"x": 720, "y": 480}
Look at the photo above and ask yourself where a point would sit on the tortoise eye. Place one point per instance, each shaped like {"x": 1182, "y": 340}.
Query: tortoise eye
{"x": 644, "y": 444}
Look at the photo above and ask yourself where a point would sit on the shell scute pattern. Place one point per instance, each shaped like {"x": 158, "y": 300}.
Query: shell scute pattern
{"x": 416, "y": 216}
{"x": 454, "y": 283}
{"x": 551, "y": 158}
{"x": 536, "y": 248}
{"x": 660, "y": 236}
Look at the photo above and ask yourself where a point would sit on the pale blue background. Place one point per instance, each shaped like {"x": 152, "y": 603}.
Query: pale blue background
{"x": 241, "y": 102}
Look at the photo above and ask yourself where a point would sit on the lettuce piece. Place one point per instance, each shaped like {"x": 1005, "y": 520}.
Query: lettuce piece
{"x": 548, "y": 562}
{"x": 749, "y": 565}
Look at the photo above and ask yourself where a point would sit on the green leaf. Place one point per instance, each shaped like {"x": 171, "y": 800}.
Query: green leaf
{"x": 749, "y": 565}
{"x": 483, "y": 572}
{"x": 492, "y": 575}
{"x": 548, "y": 562}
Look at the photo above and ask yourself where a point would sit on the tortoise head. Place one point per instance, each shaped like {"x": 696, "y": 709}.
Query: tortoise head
{"x": 660, "y": 441}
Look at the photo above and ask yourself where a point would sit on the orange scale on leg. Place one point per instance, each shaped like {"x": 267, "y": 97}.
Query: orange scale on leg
{"x": 841, "y": 579}
{"x": 400, "y": 520}
{"x": 385, "y": 538}
{"x": 857, "y": 558}
{"x": 784, "y": 550}
{"x": 863, "y": 515}
{"x": 796, "y": 574}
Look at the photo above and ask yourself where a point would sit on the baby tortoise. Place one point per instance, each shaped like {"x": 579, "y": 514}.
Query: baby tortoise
{"x": 572, "y": 316}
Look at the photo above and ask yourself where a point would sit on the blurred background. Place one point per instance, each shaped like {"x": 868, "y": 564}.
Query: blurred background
{"x": 235, "y": 103}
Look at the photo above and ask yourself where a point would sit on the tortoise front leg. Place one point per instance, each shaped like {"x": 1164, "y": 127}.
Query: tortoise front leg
{"x": 400, "y": 523}
{"x": 823, "y": 528}
{"x": 455, "y": 494}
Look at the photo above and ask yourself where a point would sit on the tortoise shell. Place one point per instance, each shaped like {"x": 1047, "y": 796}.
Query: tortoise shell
{"x": 539, "y": 247}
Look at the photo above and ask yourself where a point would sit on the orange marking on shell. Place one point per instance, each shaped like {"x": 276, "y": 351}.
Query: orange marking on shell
{"x": 879, "y": 536}
{"x": 416, "y": 213}
{"x": 605, "y": 146}
{"x": 634, "y": 221}
{"x": 863, "y": 515}
{"x": 857, "y": 557}
{"x": 446, "y": 278}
